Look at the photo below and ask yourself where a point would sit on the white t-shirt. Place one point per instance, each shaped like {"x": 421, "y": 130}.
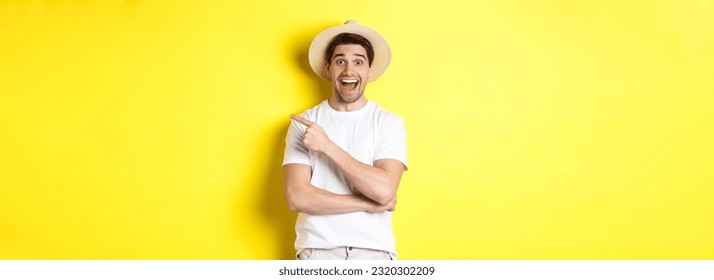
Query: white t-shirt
{"x": 367, "y": 134}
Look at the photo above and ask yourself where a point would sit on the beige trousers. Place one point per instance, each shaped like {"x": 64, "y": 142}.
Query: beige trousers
{"x": 343, "y": 253}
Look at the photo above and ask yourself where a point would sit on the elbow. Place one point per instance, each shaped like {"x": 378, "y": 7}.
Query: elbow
{"x": 384, "y": 200}
{"x": 294, "y": 203}
{"x": 293, "y": 206}
{"x": 386, "y": 193}
{"x": 386, "y": 197}
{"x": 297, "y": 207}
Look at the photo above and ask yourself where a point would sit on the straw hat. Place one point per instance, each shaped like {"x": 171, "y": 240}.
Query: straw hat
{"x": 382, "y": 52}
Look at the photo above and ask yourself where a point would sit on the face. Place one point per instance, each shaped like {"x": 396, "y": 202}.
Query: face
{"x": 349, "y": 71}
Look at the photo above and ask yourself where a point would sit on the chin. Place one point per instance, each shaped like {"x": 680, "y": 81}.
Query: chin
{"x": 345, "y": 99}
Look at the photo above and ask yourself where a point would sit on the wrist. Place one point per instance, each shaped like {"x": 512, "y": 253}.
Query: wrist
{"x": 331, "y": 149}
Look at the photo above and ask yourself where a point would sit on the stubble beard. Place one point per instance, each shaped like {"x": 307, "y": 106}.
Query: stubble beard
{"x": 345, "y": 99}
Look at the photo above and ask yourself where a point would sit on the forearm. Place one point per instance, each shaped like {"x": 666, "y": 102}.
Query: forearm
{"x": 373, "y": 182}
{"x": 316, "y": 201}
{"x": 303, "y": 197}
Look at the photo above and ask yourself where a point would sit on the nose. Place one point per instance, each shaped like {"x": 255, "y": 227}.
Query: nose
{"x": 349, "y": 68}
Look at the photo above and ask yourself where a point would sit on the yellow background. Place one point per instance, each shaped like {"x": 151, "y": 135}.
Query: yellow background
{"x": 536, "y": 129}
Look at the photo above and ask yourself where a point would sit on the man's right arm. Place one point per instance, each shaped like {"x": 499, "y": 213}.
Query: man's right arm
{"x": 306, "y": 198}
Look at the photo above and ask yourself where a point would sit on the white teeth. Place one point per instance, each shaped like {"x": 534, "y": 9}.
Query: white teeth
{"x": 349, "y": 81}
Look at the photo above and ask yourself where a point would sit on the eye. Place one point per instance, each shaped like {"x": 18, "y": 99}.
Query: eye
{"x": 340, "y": 61}
{"x": 358, "y": 62}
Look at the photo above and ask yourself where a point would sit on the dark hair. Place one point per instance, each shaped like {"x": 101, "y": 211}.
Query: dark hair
{"x": 349, "y": 39}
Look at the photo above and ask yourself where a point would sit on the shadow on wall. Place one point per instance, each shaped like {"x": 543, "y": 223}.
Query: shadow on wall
{"x": 299, "y": 47}
{"x": 274, "y": 207}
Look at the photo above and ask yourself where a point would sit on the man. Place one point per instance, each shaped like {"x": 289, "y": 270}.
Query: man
{"x": 344, "y": 158}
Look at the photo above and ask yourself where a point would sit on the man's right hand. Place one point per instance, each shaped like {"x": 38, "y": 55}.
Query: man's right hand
{"x": 315, "y": 139}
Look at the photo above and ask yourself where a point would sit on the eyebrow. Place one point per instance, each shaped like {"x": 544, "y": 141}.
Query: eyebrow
{"x": 342, "y": 55}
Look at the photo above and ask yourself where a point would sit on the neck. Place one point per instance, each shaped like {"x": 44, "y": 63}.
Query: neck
{"x": 336, "y": 104}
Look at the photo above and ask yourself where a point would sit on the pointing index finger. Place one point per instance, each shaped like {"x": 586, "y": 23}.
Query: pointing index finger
{"x": 302, "y": 120}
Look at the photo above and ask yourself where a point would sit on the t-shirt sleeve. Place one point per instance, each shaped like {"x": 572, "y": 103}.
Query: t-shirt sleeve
{"x": 392, "y": 143}
{"x": 295, "y": 152}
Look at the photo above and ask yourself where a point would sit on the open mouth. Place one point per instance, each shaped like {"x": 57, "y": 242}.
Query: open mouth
{"x": 349, "y": 84}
